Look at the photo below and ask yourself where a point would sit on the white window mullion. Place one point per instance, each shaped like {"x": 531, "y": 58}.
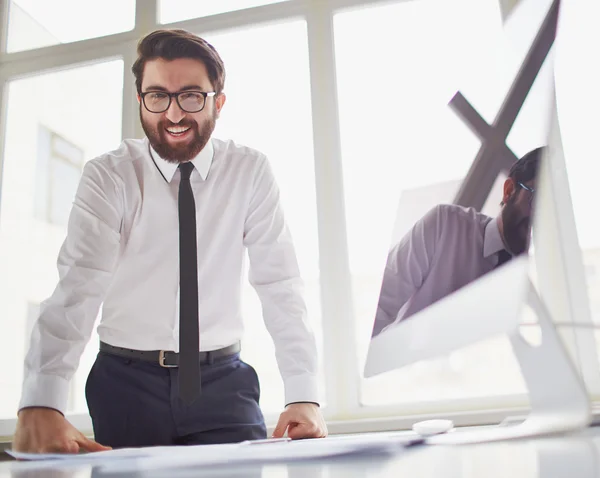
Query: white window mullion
{"x": 340, "y": 357}
{"x": 3, "y": 107}
{"x": 131, "y": 124}
{"x": 146, "y": 16}
{"x": 3, "y": 25}
{"x": 237, "y": 19}
{"x": 44, "y": 64}
{"x": 31, "y": 62}
{"x": 146, "y": 21}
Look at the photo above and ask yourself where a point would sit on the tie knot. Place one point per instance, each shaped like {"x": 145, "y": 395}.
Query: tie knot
{"x": 186, "y": 170}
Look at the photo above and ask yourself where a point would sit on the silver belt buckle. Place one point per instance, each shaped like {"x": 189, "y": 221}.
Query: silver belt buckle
{"x": 161, "y": 360}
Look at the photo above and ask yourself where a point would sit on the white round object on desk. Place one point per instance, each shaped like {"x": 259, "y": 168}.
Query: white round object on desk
{"x": 433, "y": 427}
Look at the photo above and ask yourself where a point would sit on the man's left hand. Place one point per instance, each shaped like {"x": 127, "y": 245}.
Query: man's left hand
{"x": 301, "y": 420}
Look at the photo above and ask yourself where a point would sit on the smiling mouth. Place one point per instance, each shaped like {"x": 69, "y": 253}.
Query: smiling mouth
{"x": 179, "y": 131}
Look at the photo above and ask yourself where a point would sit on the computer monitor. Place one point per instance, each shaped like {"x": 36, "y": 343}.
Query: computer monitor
{"x": 449, "y": 235}
{"x": 446, "y": 284}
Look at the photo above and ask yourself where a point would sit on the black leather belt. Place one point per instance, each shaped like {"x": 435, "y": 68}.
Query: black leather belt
{"x": 167, "y": 358}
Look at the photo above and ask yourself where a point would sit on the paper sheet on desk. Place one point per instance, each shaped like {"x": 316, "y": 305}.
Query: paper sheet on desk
{"x": 137, "y": 459}
{"x": 110, "y": 454}
{"x": 214, "y": 455}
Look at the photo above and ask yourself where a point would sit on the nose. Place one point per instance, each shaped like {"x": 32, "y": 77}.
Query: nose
{"x": 174, "y": 114}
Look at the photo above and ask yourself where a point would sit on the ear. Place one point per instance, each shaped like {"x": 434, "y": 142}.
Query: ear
{"x": 139, "y": 98}
{"x": 508, "y": 189}
{"x": 220, "y": 102}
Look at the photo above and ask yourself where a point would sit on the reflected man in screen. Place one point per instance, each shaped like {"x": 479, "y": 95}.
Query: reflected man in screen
{"x": 453, "y": 245}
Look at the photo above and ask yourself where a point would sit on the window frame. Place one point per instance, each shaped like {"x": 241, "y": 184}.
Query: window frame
{"x": 343, "y": 411}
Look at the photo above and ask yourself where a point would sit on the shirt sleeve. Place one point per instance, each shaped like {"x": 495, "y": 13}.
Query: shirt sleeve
{"x": 407, "y": 267}
{"x": 275, "y": 275}
{"x": 86, "y": 262}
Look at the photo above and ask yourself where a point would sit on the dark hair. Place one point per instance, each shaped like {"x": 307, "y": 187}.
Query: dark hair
{"x": 174, "y": 44}
{"x": 525, "y": 169}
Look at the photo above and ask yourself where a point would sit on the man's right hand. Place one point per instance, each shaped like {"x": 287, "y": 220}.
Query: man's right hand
{"x": 44, "y": 430}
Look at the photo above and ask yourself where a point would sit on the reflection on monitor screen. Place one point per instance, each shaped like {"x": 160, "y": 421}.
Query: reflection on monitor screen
{"x": 452, "y": 245}
{"x": 449, "y": 235}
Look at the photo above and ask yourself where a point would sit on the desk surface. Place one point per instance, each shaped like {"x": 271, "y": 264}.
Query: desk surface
{"x": 572, "y": 456}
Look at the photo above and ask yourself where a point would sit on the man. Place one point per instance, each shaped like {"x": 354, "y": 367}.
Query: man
{"x": 157, "y": 235}
{"x": 452, "y": 246}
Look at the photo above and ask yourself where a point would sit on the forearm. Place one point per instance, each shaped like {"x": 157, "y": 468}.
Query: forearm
{"x": 286, "y": 319}
{"x": 58, "y": 339}
{"x": 86, "y": 263}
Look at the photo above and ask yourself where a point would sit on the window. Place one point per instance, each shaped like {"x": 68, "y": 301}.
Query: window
{"x": 268, "y": 108}
{"x": 396, "y": 66}
{"x": 34, "y": 24}
{"x": 46, "y": 141}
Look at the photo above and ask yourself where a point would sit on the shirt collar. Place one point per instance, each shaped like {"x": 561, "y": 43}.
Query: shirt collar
{"x": 492, "y": 240}
{"x": 201, "y": 162}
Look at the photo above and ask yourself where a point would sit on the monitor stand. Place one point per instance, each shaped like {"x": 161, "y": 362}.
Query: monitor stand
{"x": 557, "y": 394}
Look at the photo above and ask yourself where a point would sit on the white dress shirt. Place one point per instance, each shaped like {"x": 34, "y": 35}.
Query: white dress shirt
{"x": 445, "y": 250}
{"x": 122, "y": 252}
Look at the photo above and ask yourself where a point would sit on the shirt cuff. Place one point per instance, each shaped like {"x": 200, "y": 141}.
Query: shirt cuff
{"x": 301, "y": 388}
{"x": 50, "y": 391}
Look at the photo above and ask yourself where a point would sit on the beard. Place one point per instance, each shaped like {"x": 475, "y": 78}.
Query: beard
{"x": 180, "y": 153}
{"x": 517, "y": 228}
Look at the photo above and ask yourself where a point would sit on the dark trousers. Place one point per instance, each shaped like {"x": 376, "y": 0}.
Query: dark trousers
{"x": 136, "y": 403}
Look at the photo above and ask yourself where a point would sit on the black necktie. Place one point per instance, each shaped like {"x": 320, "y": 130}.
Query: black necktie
{"x": 189, "y": 364}
{"x": 503, "y": 256}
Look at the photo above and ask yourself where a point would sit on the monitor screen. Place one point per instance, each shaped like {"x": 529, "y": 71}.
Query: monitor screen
{"x": 451, "y": 234}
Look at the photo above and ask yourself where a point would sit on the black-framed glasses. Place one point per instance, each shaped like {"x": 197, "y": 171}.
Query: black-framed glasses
{"x": 531, "y": 191}
{"x": 188, "y": 101}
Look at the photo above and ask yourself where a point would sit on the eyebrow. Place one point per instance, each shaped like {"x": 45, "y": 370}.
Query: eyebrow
{"x": 185, "y": 88}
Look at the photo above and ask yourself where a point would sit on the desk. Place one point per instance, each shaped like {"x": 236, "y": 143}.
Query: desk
{"x": 572, "y": 456}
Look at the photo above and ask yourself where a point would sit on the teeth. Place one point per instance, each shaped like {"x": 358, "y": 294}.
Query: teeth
{"x": 177, "y": 129}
